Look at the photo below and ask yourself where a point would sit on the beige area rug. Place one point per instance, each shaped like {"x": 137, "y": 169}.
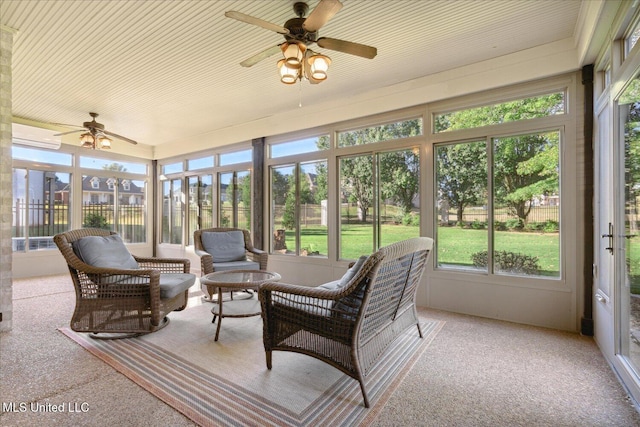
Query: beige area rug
{"x": 227, "y": 383}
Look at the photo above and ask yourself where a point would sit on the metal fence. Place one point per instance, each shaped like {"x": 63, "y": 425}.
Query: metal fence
{"x": 38, "y": 221}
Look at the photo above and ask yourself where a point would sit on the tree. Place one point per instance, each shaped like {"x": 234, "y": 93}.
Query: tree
{"x": 462, "y": 175}
{"x": 524, "y": 166}
{"x": 400, "y": 178}
{"x": 357, "y": 182}
{"x": 289, "y": 214}
{"x": 117, "y": 167}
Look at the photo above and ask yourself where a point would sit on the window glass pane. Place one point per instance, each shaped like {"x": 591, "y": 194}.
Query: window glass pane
{"x": 461, "y": 183}
{"x": 20, "y": 211}
{"x": 356, "y": 206}
{"x": 201, "y": 163}
{"x": 243, "y": 199}
{"x": 206, "y": 201}
{"x": 98, "y": 202}
{"x": 132, "y": 210}
{"x": 42, "y": 156}
{"x": 172, "y": 168}
{"x": 111, "y": 165}
{"x": 521, "y": 109}
{"x": 283, "y": 209}
{"x": 172, "y": 201}
{"x": 307, "y": 145}
{"x": 226, "y": 199}
{"x": 399, "y": 196}
{"x": 313, "y": 209}
{"x": 166, "y": 212}
{"x": 526, "y": 181}
{"x": 632, "y": 39}
{"x": 386, "y": 132}
{"x": 40, "y": 211}
{"x": 236, "y": 157}
{"x": 177, "y": 201}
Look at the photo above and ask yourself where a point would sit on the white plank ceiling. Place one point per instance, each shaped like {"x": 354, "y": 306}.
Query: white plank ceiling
{"x": 160, "y": 71}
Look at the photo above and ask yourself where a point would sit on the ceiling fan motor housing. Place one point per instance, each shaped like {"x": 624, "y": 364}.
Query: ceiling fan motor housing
{"x": 298, "y": 33}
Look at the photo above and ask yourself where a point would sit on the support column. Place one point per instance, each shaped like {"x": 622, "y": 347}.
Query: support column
{"x": 586, "y": 323}
{"x": 6, "y": 180}
{"x": 257, "y": 209}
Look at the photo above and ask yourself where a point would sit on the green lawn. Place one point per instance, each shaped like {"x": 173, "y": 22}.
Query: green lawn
{"x": 455, "y": 245}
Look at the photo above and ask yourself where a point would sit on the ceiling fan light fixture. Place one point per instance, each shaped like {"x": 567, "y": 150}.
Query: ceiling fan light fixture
{"x": 293, "y": 53}
{"x": 87, "y": 140}
{"x": 105, "y": 143}
{"x": 288, "y": 75}
{"x": 319, "y": 65}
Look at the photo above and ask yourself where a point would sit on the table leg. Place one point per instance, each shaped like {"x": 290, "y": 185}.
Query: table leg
{"x": 219, "y": 313}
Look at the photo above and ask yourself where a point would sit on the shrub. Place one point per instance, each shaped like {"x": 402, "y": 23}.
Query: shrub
{"x": 94, "y": 220}
{"x": 551, "y": 226}
{"x": 514, "y": 224}
{"x": 478, "y": 225}
{"x": 508, "y": 262}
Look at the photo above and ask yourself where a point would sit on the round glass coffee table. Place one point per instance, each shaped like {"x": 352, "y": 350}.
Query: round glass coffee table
{"x": 236, "y": 280}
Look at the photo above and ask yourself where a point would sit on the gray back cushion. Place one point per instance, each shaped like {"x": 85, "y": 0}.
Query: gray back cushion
{"x": 353, "y": 270}
{"x": 224, "y": 246}
{"x": 104, "y": 251}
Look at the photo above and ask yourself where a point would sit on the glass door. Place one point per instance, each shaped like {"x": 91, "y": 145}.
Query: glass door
{"x": 629, "y": 281}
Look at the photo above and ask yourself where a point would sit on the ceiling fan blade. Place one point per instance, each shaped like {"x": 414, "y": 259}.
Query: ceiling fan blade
{"x": 115, "y": 135}
{"x": 71, "y": 131}
{"x": 255, "y": 21}
{"x": 260, "y": 56}
{"x": 347, "y": 47}
{"x": 321, "y": 15}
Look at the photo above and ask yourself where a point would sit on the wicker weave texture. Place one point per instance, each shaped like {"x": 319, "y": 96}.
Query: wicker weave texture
{"x": 119, "y": 301}
{"x": 350, "y": 327}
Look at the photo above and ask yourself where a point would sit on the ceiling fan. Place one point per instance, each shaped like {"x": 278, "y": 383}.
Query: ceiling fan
{"x": 302, "y": 32}
{"x": 95, "y": 136}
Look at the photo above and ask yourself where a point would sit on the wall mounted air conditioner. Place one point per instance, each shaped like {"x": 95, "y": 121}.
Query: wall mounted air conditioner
{"x": 35, "y": 137}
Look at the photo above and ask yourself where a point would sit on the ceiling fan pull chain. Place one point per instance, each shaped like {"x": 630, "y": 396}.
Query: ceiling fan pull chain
{"x": 300, "y": 100}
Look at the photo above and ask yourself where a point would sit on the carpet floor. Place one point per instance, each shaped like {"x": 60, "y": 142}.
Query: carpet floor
{"x": 226, "y": 382}
{"x": 475, "y": 372}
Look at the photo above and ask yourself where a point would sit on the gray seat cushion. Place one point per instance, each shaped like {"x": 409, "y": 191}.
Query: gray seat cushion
{"x": 172, "y": 284}
{"x": 104, "y": 251}
{"x": 224, "y": 246}
{"x": 236, "y": 265}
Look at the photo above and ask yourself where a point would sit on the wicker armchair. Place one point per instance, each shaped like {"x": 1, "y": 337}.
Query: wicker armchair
{"x": 252, "y": 258}
{"x": 122, "y": 302}
{"x": 348, "y": 324}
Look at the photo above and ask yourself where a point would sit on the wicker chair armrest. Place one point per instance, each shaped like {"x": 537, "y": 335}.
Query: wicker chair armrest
{"x": 165, "y": 265}
{"x": 206, "y": 261}
{"x": 259, "y": 256}
{"x": 299, "y": 290}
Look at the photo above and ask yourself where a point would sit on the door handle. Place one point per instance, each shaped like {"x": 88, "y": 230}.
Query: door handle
{"x": 610, "y": 237}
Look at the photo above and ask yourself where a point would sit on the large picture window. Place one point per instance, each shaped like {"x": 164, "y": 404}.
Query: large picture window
{"x": 379, "y": 200}
{"x": 519, "y": 216}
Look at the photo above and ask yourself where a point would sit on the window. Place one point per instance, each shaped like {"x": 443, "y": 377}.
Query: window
{"x": 379, "y": 200}
{"x": 299, "y": 209}
{"x": 378, "y": 133}
{"x": 235, "y": 199}
{"x": 200, "y": 204}
{"x": 45, "y": 156}
{"x": 200, "y": 163}
{"x": 301, "y": 146}
{"x": 115, "y": 166}
{"x": 521, "y": 109}
{"x": 41, "y": 208}
{"x": 516, "y": 189}
{"x": 235, "y": 157}
{"x": 110, "y": 204}
{"x": 172, "y": 211}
